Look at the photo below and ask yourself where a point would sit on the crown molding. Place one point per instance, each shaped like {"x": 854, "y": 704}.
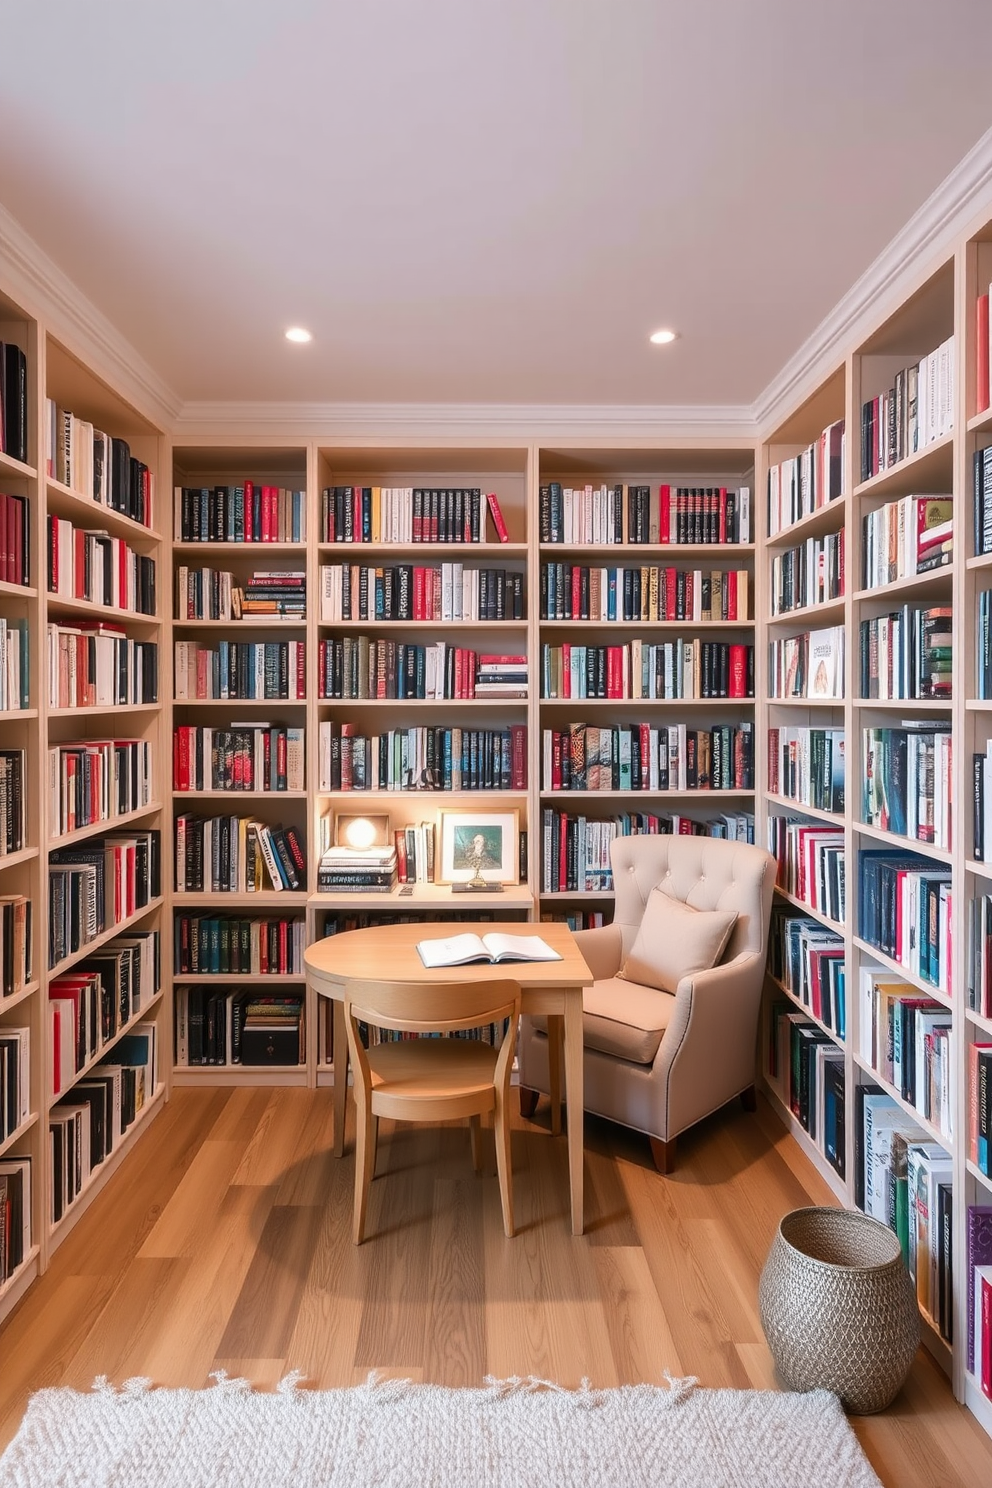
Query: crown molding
{"x": 41, "y": 288}
{"x": 512, "y": 423}
{"x": 912, "y": 254}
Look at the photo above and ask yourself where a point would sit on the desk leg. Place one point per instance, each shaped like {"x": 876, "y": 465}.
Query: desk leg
{"x": 574, "y": 1099}
{"x": 340, "y": 1075}
{"x": 554, "y": 1070}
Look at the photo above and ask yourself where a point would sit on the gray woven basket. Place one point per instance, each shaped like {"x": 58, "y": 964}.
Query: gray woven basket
{"x": 838, "y": 1307}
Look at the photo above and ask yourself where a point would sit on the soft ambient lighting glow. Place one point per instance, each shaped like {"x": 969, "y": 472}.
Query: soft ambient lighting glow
{"x": 662, "y": 338}
{"x": 297, "y": 333}
{"x": 360, "y": 833}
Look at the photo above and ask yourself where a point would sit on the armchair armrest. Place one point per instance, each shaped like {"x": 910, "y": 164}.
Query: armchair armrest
{"x": 708, "y": 1053}
{"x": 602, "y": 949}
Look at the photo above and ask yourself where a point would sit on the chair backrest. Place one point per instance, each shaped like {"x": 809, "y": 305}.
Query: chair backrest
{"x": 445, "y": 1007}
{"x": 704, "y": 872}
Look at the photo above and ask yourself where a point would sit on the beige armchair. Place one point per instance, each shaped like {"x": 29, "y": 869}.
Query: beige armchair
{"x": 666, "y": 1043}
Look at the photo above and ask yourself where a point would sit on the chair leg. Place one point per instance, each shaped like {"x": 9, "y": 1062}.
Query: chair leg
{"x": 528, "y": 1100}
{"x": 475, "y": 1128}
{"x": 501, "y": 1127}
{"x": 663, "y": 1154}
{"x": 749, "y": 1098}
{"x": 365, "y": 1147}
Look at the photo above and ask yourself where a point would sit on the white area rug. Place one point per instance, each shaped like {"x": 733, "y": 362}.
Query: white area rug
{"x": 395, "y": 1434}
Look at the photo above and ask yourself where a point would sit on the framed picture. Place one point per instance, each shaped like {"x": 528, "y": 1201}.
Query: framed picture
{"x": 479, "y": 845}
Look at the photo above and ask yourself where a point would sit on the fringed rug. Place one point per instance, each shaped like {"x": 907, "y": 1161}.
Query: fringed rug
{"x": 395, "y": 1434}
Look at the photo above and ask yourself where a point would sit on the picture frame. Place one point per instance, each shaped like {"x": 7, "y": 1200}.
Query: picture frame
{"x": 499, "y": 860}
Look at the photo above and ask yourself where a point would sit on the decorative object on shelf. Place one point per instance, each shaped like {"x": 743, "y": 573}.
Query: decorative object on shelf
{"x": 360, "y": 832}
{"x": 838, "y": 1307}
{"x": 481, "y": 844}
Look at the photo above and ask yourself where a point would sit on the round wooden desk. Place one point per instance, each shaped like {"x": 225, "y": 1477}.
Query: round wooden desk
{"x": 550, "y": 987}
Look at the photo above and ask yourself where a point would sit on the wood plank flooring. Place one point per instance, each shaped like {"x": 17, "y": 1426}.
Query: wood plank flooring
{"x": 224, "y": 1242}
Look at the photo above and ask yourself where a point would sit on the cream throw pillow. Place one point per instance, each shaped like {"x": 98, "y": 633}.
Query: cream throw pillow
{"x": 675, "y": 940}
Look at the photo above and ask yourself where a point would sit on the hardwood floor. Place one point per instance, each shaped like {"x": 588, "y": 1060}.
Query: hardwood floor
{"x": 225, "y": 1242}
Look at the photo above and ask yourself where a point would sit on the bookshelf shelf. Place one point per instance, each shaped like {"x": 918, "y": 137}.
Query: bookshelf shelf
{"x": 143, "y": 1015}
{"x": 23, "y": 995}
{"x": 11, "y": 1141}
{"x": 104, "y": 1171}
{"x": 922, "y": 471}
{"x": 66, "y": 502}
{"x": 108, "y": 825}
{"x": 18, "y": 591}
{"x": 11, "y": 467}
{"x": 110, "y": 933}
{"x": 60, "y": 604}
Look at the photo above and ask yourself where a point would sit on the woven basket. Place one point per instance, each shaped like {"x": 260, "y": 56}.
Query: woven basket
{"x": 838, "y": 1307}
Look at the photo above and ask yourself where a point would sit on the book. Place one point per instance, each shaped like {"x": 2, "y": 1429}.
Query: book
{"x": 461, "y": 950}
{"x": 495, "y": 511}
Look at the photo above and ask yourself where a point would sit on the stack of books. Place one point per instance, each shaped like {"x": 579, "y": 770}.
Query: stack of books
{"x": 349, "y": 870}
{"x": 278, "y": 593}
{"x": 501, "y": 676}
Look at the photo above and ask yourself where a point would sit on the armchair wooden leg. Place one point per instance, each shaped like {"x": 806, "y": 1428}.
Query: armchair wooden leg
{"x": 528, "y": 1101}
{"x": 365, "y": 1151}
{"x": 749, "y": 1098}
{"x": 475, "y": 1127}
{"x": 663, "y": 1154}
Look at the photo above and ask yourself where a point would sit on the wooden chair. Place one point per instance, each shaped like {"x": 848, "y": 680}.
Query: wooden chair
{"x": 431, "y": 1079}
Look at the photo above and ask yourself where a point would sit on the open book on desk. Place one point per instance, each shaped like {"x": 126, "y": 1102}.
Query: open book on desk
{"x": 461, "y": 950}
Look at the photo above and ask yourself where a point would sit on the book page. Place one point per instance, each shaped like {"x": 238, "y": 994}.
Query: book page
{"x": 518, "y": 947}
{"x": 452, "y": 950}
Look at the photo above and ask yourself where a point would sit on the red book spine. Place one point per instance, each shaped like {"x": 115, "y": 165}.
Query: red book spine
{"x": 563, "y": 852}
{"x": 732, "y": 599}
{"x": 986, "y": 1337}
{"x": 982, "y": 354}
{"x": 664, "y": 514}
{"x": 576, "y": 607}
{"x": 722, "y": 515}
{"x": 671, "y": 593}
{"x": 399, "y": 840}
{"x": 496, "y": 513}
{"x": 249, "y": 521}
{"x": 518, "y": 757}
{"x": 614, "y": 671}
{"x": 556, "y": 747}
{"x": 419, "y": 590}
{"x": 645, "y": 747}
{"x": 738, "y": 671}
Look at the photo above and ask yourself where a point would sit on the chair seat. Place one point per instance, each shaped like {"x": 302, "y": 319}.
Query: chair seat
{"x": 622, "y": 1019}
{"x": 428, "y": 1068}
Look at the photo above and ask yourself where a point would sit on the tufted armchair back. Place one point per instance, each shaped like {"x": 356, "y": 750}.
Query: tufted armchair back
{"x": 704, "y": 872}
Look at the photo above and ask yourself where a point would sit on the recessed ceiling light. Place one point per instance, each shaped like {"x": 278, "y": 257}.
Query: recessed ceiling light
{"x": 297, "y": 333}
{"x": 662, "y": 338}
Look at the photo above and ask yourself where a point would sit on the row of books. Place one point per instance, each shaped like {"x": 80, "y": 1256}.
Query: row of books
{"x": 807, "y": 1068}
{"x": 97, "y": 885}
{"x": 99, "y": 568}
{"x": 96, "y": 465}
{"x": 640, "y": 513}
{"x": 811, "y": 574}
{"x": 913, "y": 535}
{"x": 804, "y": 483}
{"x": 88, "y": 1124}
{"x": 229, "y": 1025}
{"x": 15, "y": 1213}
{"x": 225, "y": 945}
{"x": 808, "y": 766}
{"x": 905, "y": 1040}
{"x": 636, "y": 757}
{"x": 13, "y": 779}
{"x": 811, "y": 864}
{"x": 241, "y": 671}
{"x": 15, "y": 1079}
{"x": 245, "y": 757}
{"x": 13, "y": 401}
{"x": 575, "y": 850}
{"x": 16, "y": 951}
{"x": 637, "y": 669}
{"x": 96, "y": 665}
{"x": 88, "y": 1006}
{"x": 578, "y": 591}
{"x": 15, "y": 665}
{"x": 408, "y": 514}
{"x": 807, "y": 959}
{"x": 978, "y": 985}
{"x": 237, "y": 855}
{"x": 907, "y": 653}
{"x": 809, "y": 665}
{"x": 244, "y": 513}
{"x": 439, "y": 758}
{"x": 94, "y": 780}
{"x": 904, "y": 911}
{"x": 425, "y": 592}
{"x": 978, "y": 1295}
{"x": 216, "y": 594}
{"x": 904, "y": 1179}
{"x": 907, "y": 782}
{"x": 15, "y": 539}
{"x": 915, "y": 411}
{"x": 364, "y": 667}
{"x": 983, "y": 660}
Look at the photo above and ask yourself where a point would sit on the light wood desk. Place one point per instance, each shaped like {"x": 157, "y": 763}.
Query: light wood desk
{"x": 550, "y": 987}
